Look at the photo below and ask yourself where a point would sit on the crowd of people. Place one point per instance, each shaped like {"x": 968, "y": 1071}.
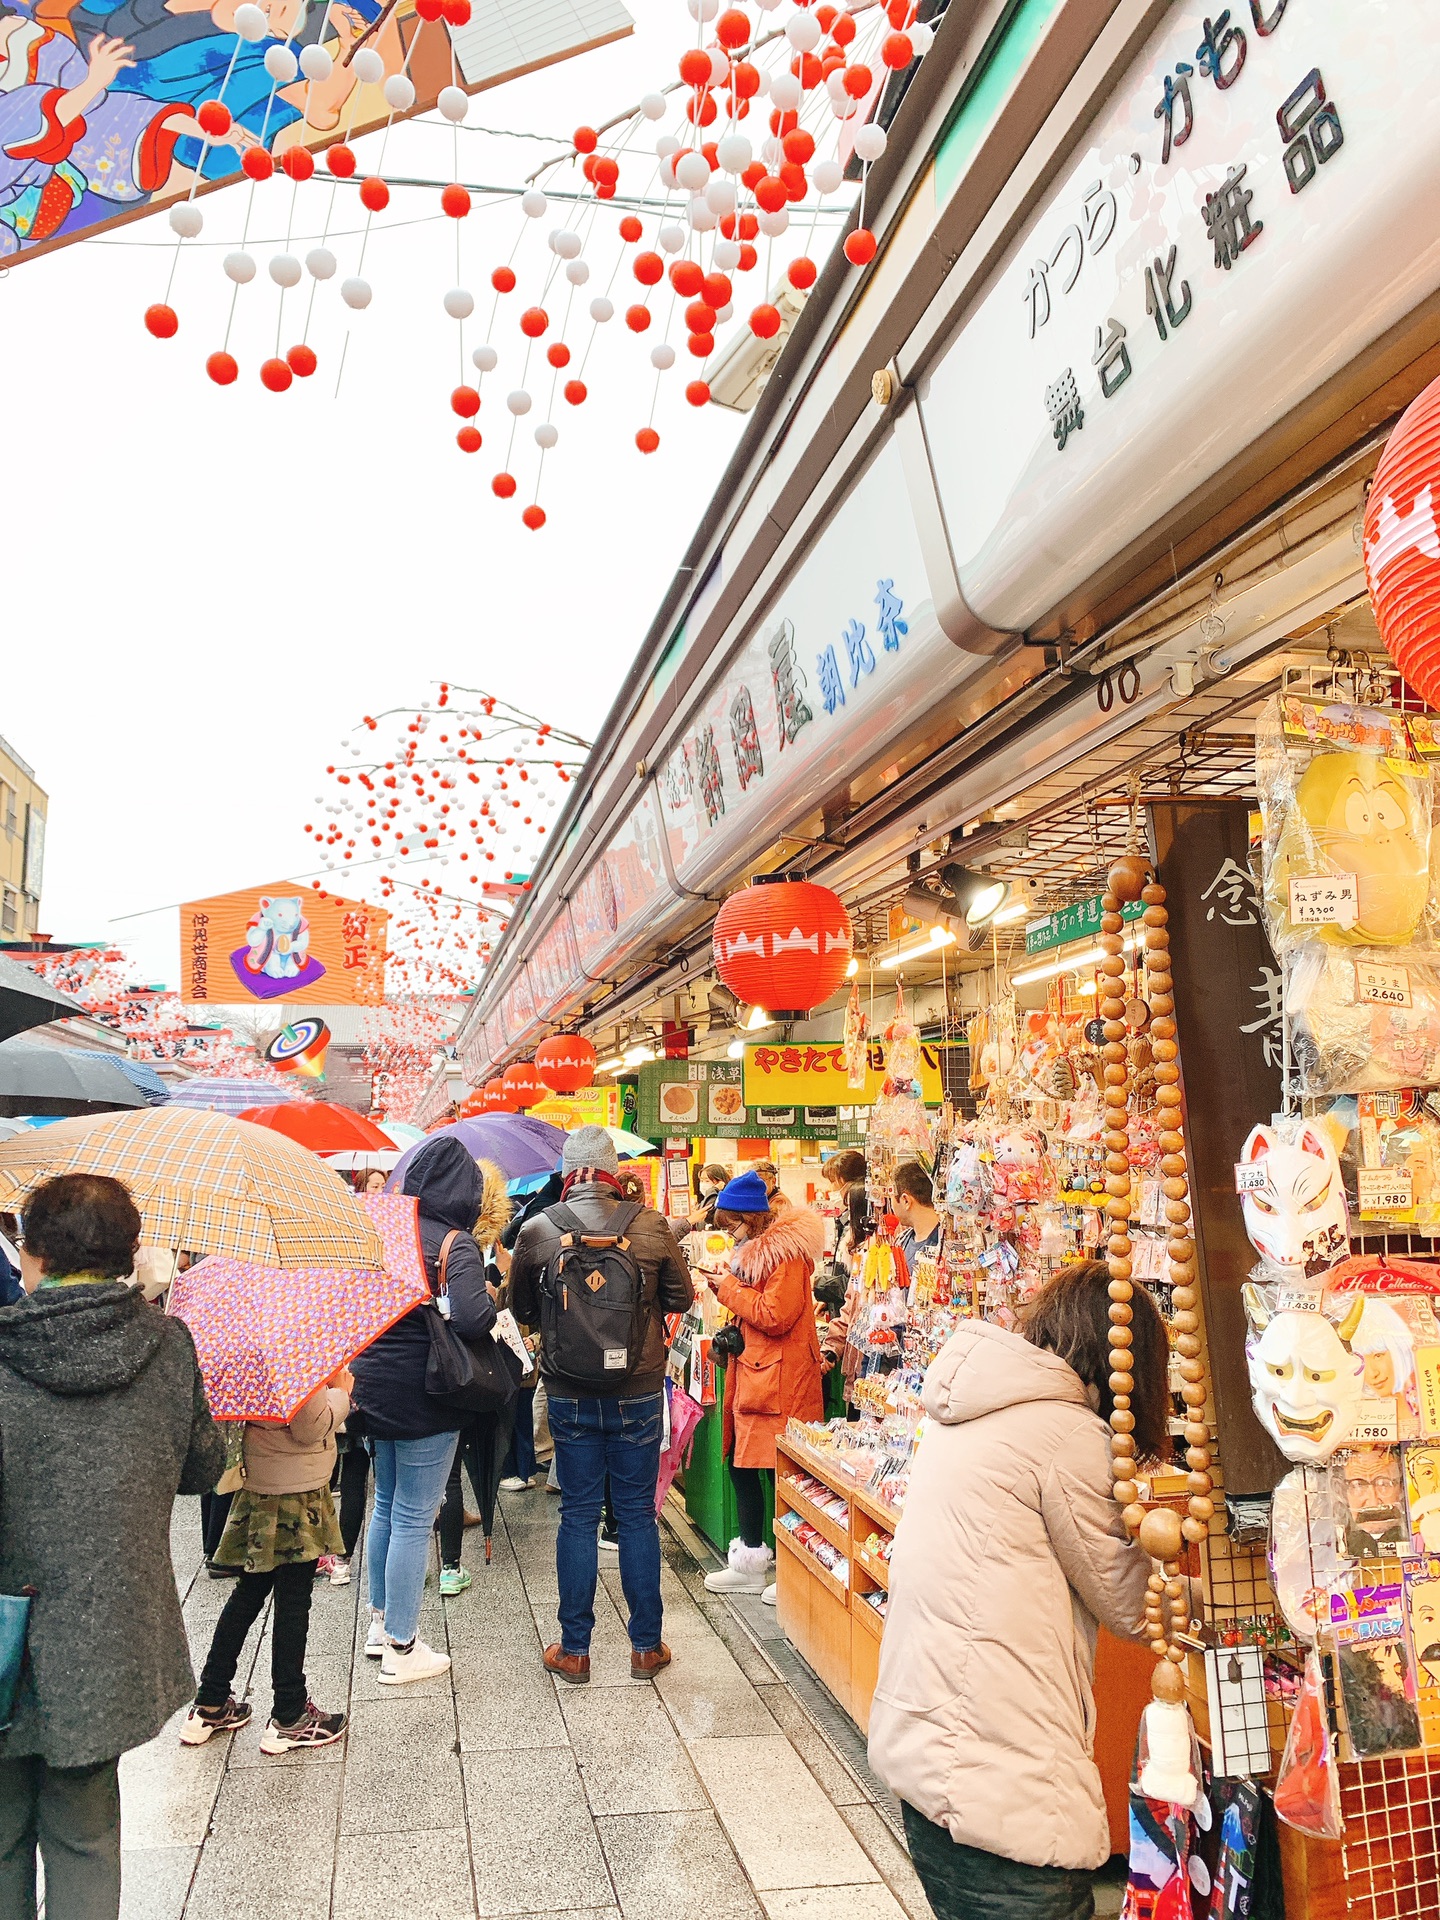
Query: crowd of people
{"x": 1009, "y": 1551}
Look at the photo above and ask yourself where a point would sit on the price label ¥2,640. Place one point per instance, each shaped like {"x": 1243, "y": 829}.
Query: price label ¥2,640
{"x": 1377, "y": 985}
{"x": 1325, "y": 900}
{"x": 1384, "y": 1191}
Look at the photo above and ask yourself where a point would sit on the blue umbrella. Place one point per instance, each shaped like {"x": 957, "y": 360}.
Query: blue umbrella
{"x": 514, "y": 1142}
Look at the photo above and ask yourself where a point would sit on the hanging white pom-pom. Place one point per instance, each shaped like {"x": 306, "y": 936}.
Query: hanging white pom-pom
{"x": 666, "y": 171}
{"x": 518, "y": 402}
{"x": 251, "y": 23}
{"x": 804, "y": 32}
{"x": 692, "y": 170}
{"x": 666, "y": 146}
{"x": 701, "y": 217}
{"x": 772, "y": 225}
{"x": 399, "y": 91}
{"x": 546, "y": 436}
{"x": 281, "y": 65}
{"x": 835, "y": 83}
{"x": 486, "y": 359}
{"x": 186, "y": 219}
{"x": 577, "y": 272}
{"x": 734, "y": 153}
{"x": 356, "y": 293}
{"x": 771, "y": 152}
{"x": 602, "y": 309}
{"x": 240, "y": 267}
{"x": 662, "y": 357}
{"x": 870, "y": 141}
{"x": 702, "y": 9}
{"x": 534, "y": 203}
{"x": 285, "y": 270}
{"x": 785, "y": 89}
{"x": 368, "y": 67}
{"x": 459, "y": 303}
{"x": 671, "y": 238}
{"x": 827, "y": 176}
{"x": 727, "y": 255}
{"x": 454, "y": 103}
{"x": 653, "y": 106}
{"x": 921, "y": 37}
{"x": 725, "y": 313}
{"x": 566, "y": 244}
{"x": 321, "y": 263}
{"x": 844, "y": 108}
{"x": 719, "y": 67}
{"x": 315, "y": 63}
{"x": 767, "y": 6}
{"x": 720, "y": 196}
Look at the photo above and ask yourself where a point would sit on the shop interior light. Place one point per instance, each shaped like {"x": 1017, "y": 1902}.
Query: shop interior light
{"x": 1012, "y": 911}
{"x": 937, "y": 937}
{"x": 978, "y": 896}
{"x": 852, "y": 967}
{"x": 1071, "y": 964}
{"x": 609, "y": 1066}
{"x": 735, "y": 1050}
{"x": 757, "y": 1018}
{"x": 637, "y": 1056}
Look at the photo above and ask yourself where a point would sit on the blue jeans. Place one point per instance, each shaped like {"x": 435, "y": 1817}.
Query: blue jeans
{"x": 520, "y": 1461}
{"x": 410, "y": 1478}
{"x": 594, "y": 1437}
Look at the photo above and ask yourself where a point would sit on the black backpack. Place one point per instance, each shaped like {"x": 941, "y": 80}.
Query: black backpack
{"x": 593, "y": 1313}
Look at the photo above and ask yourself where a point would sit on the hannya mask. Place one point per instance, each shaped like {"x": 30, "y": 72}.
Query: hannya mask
{"x": 1305, "y": 1382}
{"x": 1297, "y": 1219}
{"x": 1364, "y": 816}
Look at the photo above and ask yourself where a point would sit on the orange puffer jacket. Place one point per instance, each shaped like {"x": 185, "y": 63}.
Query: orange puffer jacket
{"x": 778, "y": 1375}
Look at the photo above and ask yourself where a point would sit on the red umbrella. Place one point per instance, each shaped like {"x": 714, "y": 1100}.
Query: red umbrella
{"x": 267, "y": 1337}
{"x": 323, "y": 1126}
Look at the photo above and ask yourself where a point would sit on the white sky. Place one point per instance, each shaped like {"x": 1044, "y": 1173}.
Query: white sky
{"x": 207, "y": 587}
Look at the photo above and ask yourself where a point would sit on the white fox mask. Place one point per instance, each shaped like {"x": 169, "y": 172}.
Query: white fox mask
{"x": 1298, "y": 1218}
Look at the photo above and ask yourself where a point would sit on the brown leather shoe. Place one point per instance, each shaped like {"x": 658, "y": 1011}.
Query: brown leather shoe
{"x": 644, "y": 1666}
{"x": 574, "y": 1667}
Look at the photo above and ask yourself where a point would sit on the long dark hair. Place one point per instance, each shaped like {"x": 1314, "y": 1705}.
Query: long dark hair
{"x": 1070, "y": 1316}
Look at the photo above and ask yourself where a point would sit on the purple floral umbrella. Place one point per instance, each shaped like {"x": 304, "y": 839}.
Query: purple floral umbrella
{"x": 514, "y": 1142}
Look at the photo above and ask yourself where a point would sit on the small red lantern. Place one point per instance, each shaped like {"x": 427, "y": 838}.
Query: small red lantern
{"x": 495, "y": 1098}
{"x": 523, "y": 1085}
{"x": 783, "y": 944}
{"x": 565, "y": 1062}
{"x": 1402, "y": 544}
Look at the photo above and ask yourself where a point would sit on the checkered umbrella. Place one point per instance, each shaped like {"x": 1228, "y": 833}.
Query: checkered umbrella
{"x": 231, "y": 1096}
{"x": 267, "y": 1337}
{"x": 205, "y": 1182}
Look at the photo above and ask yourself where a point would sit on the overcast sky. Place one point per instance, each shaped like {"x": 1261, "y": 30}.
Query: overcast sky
{"x": 208, "y": 587}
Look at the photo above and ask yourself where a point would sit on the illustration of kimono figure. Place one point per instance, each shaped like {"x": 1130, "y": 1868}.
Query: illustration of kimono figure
{"x": 120, "y": 149}
{"x": 194, "y": 71}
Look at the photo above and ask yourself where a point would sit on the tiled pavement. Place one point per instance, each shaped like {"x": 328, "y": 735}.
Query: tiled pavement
{"x": 493, "y": 1790}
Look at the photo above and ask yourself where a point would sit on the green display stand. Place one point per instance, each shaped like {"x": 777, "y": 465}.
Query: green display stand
{"x": 709, "y": 1494}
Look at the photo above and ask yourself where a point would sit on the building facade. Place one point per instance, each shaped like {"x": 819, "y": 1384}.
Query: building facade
{"x": 24, "y": 805}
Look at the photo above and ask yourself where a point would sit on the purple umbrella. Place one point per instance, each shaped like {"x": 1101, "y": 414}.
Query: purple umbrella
{"x": 514, "y": 1142}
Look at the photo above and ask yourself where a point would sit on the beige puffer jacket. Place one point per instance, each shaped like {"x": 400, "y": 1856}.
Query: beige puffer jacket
{"x": 1009, "y": 1549}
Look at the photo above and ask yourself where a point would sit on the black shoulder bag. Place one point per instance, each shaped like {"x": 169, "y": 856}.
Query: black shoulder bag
{"x": 466, "y": 1376}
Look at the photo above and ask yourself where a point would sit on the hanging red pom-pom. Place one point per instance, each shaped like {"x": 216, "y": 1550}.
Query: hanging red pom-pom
{"x": 302, "y": 360}
{"x": 697, "y": 393}
{"x": 900, "y": 13}
{"x": 276, "y": 375}
{"x": 374, "y": 194}
{"x": 605, "y": 191}
{"x": 630, "y": 228}
{"x": 502, "y": 279}
{"x": 587, "y": 168}
{"x": 897, "y": 50}
{"x": 456, "y": 12}
{"x": 576, "y": 392}
{"x": 843, "y": 30}
{"x": 783, "y": 123}
{"x": 586, "y": 139}
{"x": 827, "y": 16}
{"x": 695, "y": 67}
{"x": 794, "y": 180}
{"x": 456, "y": 202}
{"x": 703, "y": 113}
{"x": 558, "y": 354}
{"x": 466, "y": 402}
{"x": 637, "y": 318}
{"x": 858, "y": 81}
{"x": 807, "y": 70}
{"x": 297, "y": 163}
{"x": 340, "y": 160}
{"x": 753, "y": 175}
{"x": 748, "y": 257}
{"x": 468, "y": 439}
{"x": 162, "y": 321}
{"x": 799, "y": 146}
{"x": 429, "y": 9}
{"x": 716, "y": 290}
{"x": 702, "y": 345}
{"x": 765, "y": 321}
{"x": 699, "y": 318}
{"x": 222, "y": 369}
{"x": 647, "y": 439}
{"x": 534, "y": 518}
{"x": 745, "y": 79}
{"x": 533, "y": 322}
{"x": 860, "y": 247}
{"x": 607, "y": 170}
{"x": 687, "y": 277}
{"x": 801, "y": 273}
{"x": 648, "y": 268}
{"x": 256, "y": 164}
{"x": 732, "y": 29}
{"x": 503, "y": 486}
{"x": 214, "y": 118}
{"x": 771, "y": 193}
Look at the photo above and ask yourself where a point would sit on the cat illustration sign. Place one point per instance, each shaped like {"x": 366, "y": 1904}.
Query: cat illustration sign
{"x": 283, "y": 942}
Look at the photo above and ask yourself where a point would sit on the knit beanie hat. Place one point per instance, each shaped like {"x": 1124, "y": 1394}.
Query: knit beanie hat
{"x": 589, "y": 1149}
{"x": 746, "y": 1193}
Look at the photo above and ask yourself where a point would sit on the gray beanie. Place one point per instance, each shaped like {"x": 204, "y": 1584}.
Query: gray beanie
{"x": 589, "y": 1149}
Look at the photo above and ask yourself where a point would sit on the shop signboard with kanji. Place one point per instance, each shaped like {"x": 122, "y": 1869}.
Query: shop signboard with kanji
{"x": 283, "y": 942}
{"x": 1249, "y": 211}
{"x": 814, "y": 1074}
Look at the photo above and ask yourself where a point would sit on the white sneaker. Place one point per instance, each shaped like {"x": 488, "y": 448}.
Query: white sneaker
{"x": 514, "y": 1485}
{"x": 748, "y": 1572}
{"x": 609, "y": 1546}
{"x": 420, "y": 1663}
{"x": 340, "y": 1571}
{"x": 375, "y": 1638}
{"x": 768, "y": 1596}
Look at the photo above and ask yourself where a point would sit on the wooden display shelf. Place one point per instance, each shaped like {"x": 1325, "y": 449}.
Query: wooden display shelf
{"x": 866, "y": 1614}
{"x": 885, "y": 1518}
{"x": 789, "y": 1496}
{"x": 837, "y": 1589}
{"x": 869, "y": 1563}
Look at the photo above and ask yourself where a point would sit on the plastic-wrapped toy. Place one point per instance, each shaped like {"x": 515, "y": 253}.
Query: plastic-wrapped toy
{"x": 1343, "y": 798}
{"x": 1345, "y": 1040}
{"x": 1307, "y": 1787}
{"x": 1295, "y": 1213}
{"x": 1390, "y": 1134}
{"x": 1308, "y": 1517}
{"x": 856, "y": 1041}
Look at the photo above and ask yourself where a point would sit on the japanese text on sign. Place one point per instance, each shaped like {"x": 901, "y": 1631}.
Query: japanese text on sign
{"x": 1381, "y": 986}
{"x": 1325, "y": 900}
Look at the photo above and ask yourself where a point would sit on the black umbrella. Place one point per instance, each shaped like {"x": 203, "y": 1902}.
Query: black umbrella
{"x": 54, "y": 1080}
{"x": 26, "y": 1001}
{"x": 484, "y": 1443}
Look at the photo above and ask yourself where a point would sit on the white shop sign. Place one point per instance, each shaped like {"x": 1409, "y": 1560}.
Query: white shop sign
{"x": 1116, "y": 360}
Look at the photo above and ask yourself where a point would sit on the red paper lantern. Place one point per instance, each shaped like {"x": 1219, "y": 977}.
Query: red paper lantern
{"x": 565, "y": 1062}
{"x": 495, "y": 1098}
{"x": 1402, "y": 544}
{"x": 783, "y": 944}
{"x": 523, "y": 1085}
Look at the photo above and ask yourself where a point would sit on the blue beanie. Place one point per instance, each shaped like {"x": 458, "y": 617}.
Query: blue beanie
{"x": 746, "y": 1193}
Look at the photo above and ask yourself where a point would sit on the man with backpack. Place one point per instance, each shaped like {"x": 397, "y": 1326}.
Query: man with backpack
{"x": 598, "y": 1274}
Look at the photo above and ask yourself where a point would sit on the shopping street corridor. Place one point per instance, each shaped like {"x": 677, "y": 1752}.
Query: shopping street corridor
{"x": 497, "y": 1790}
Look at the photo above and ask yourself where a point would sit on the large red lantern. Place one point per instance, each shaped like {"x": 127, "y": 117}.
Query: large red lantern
{"x": 523, "y": 1086}
{"x": 1402, "y": 544}
{"x": 495, "y": 1098}
{"x": 565, "y": 1062}
{"x": 783, "y": 944}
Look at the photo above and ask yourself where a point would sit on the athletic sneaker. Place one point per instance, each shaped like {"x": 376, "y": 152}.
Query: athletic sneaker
{"x": 312, "y": 1729}
{"x": 609, "y": 1542}
{"x": 513, "y": 1484}
{"x": 340, "y": 1570}
{"x": 375, "y": 1638}
{"x": 201, "y": 1722}
{"x": 453, "y": 1581}
{"x": 324, "y": 1565}
{"x": 417, "y": 1662}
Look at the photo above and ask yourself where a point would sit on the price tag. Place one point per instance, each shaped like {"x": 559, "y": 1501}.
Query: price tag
{"x": 1384, "y": 1191}
{"x": 1383, "y": 1424}
{"x": 1381, "y": 986}
{"x": 1325, "y": 900}
{"x": 1251, "y": 1176}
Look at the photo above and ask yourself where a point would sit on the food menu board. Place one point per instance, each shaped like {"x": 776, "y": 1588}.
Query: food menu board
{"x": 688, "y": 1099}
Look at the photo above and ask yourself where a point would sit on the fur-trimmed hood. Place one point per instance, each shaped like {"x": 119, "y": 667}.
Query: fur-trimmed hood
{"x": 495, "y": 1205}
{"x": 796, "y": 1234}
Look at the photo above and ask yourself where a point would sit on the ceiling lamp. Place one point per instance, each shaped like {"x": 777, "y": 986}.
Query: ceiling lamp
{"x": 978, "y": 896}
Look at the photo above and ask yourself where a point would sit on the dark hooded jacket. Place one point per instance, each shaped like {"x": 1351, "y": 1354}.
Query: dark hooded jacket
{"x": 102, "y": 1422}
{"x": 390, "y": 1374}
